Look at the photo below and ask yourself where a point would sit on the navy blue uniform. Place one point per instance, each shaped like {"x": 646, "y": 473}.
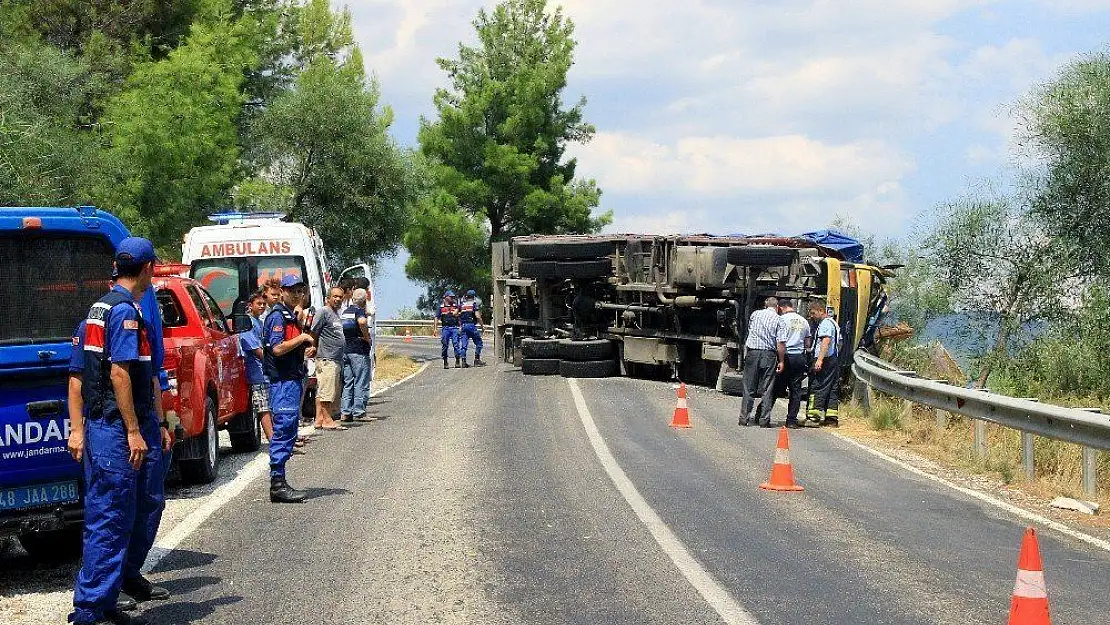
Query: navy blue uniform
{"x": 468, "y": 317}
{"x": 123, "y": 505}
{"x": 448, "y": 315}
{"x": 286, "y": 375}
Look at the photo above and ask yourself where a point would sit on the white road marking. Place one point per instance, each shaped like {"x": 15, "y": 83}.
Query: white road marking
{"x": 215, "y": 500}
{"x": 994, "y": 501}
{"x": 710, "y": 589}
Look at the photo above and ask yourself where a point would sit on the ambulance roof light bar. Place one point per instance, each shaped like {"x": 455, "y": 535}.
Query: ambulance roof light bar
{"x": 226, "y": 218}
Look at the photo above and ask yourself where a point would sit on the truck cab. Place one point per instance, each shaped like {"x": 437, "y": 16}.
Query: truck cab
{"x": 54, "y": 263}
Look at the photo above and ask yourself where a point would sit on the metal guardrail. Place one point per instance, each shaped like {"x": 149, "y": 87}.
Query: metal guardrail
{"x": 1073, "y": 425}
{"x": 418, "y": 323}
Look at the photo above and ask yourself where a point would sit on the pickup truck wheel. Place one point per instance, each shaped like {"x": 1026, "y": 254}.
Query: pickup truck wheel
{"x": 539, "y": 348}
{"x": 248, "y": 439}
{"x": 203, "y": 470}
{"x": 62, "y": 545}
{"x": 760, "y": 255}
{"x": 587, "y": 368}
{"x": 732, "y": 384}
{"x": 540, "y": 366}
{"x": 595, "y": 349}
{"x": 564, "y": 250}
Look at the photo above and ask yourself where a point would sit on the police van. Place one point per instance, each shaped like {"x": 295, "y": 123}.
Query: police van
{"x": 54, "y": 263}
{"x": 242, "y": 251}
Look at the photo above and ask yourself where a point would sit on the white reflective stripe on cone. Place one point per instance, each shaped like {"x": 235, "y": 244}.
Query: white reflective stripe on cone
{"x": 681, "y": 402}
{"x": 1030, "y": 585}
{"x": 782, "y": 456}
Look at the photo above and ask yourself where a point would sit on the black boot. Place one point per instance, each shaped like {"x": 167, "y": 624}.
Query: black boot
{"x": 457, "y": 365}
{"x": 282, "y": 492}
{"x": 445, "y": 362}
{"x": 140, "y": 589}
{"x": 478, "y": 362}
{"x": 465, "y": 366}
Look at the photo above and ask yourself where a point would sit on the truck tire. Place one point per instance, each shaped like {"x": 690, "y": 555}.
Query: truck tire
{"x": 204, "y": 469}
{"x": 732, "y": 384}
{"x": 598, "y": 268}
{"x": 540, "y": 366}
{"x": 54, "y": 546}
{"x": 564, "y": 250}
{"x": 539, "y": 348}
{"x": 760, "y": 255}
{"x": 537, "y": 269}
{"x": 246, "y": 439}
{"x": 595, "y": 349}
{"x": 587, "y": 368}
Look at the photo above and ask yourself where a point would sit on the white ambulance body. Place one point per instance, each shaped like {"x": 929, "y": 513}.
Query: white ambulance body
{"x": 244, "y": 250}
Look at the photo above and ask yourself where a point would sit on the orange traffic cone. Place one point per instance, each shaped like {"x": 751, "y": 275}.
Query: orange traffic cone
{"x": 782, "y": 473}
{"x": 681, "y": 417}
{"x": 408, "y": 335}
{"x": 1030, "y": 602}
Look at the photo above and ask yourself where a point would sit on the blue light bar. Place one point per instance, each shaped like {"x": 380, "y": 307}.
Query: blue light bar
{"x": 226, "y": 218}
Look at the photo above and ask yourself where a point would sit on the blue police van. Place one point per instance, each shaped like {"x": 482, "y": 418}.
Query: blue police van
{"x": 54, "y": 263}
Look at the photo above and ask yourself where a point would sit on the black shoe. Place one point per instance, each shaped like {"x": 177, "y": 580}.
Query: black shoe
{"x": 830, "y": 422}
{"x": 765, "y": 424}
{"x": 126, "y": 604}
{"x": 140, "y": 589}
{"x": 464, "y": 365}
{"x": 478, "y": 362}
{"x": 282, "y": 492}
{"x": 457, "y": 365}
{"x": 445, "y": 364}
{"x": 793, "y": 425}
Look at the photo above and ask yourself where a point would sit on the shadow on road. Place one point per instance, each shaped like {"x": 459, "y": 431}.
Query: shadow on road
{"x": 182, "y": 559}
{"x": 317, "y": 493}
{"x": 188, "y": 611}
{"x": 189, "y": 584}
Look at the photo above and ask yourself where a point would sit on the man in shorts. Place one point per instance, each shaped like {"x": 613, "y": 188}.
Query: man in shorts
{"x": 250, "y": 343}
{"x": 331, "y": 344}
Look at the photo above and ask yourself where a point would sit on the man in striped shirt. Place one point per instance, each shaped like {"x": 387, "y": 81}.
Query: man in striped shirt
{"x": 760, "y": 360}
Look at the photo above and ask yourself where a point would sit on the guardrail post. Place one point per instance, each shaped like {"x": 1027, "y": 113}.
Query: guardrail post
{"x": 1090, "y": 472}
{"x": 864, "y": 395}
{"x": 1027, "y": 455}
{"x": 980, "y": 439}
{"x": 942, "y": 419}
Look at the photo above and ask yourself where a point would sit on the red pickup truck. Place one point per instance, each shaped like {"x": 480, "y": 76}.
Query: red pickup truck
{"x": 208, "y": 383}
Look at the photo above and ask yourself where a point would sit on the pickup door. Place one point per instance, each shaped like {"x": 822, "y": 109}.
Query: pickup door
{"x": 230, "y": 378}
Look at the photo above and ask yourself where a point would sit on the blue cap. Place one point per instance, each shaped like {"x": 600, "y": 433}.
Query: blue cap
{"x": 134, "y": 251}
{"x": 290, "y": 281}
{"x": 471, "y": 292}
{"x": 449, "y": 293}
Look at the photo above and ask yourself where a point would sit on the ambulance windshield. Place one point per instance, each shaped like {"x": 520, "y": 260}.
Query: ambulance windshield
{"x": 231, "y": 280}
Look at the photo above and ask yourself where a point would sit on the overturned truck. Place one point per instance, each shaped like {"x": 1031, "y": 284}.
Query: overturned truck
{"x": 667, "y": 306}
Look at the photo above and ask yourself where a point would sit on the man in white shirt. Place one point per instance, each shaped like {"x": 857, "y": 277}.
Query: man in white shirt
{"x": 794, "y": 340}
{"x": 759, "y": 364}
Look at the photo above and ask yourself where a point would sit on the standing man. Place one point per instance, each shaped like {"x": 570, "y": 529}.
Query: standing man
{"x": 759, "y": 364}
{"x": 356, "y": 359}
{"x": 793, "y": 343}
{"x": 125, "y": 437}
{"x": 470, "y": 317}
{"x": 327, "y": 329}
{"x": 250, "y": 343}
{"x": 447, "y": 318}
{"x": 283, "y": 363}
{"x": 824, "y": 392}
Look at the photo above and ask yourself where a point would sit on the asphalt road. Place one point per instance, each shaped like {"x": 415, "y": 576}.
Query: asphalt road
{"x": 478, "y": 498}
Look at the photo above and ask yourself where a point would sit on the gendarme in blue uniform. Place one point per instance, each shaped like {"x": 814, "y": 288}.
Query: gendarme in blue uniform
{"x": 448, "y": 315}
{"x": 123, "y": 505}
{"x": 468, "y": 317}
{"x": 286, "y": 375}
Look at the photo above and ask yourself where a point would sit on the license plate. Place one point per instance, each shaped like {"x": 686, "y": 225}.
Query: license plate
{"x": 39, "y": 495}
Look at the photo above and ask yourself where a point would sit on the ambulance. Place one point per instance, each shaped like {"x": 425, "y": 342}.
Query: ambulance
{"x": 242, "y": 251}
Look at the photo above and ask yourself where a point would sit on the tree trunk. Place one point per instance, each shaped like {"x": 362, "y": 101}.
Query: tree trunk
{"x": 997, "y": 352}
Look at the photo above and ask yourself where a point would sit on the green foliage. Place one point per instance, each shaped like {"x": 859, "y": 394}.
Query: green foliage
{"x": 44, "y": 150}
{"x": 1069, "y": 123}
{"x": 171, "y": 139}
{"x": 498, "y": 146}
{"x": 155, "y": 25}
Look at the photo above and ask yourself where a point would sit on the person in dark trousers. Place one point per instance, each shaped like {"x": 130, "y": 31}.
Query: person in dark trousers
{"x": 356, "y": 359}
{"x": 471, "y": 318}
{"x": 794, "y": 340}
{"x": 824, "y": 391}
{"x": 760, "y": 361}
{"x": 283, "y": 362}
{"x": 125, "y": 437}
{"x": 447, "y": 322}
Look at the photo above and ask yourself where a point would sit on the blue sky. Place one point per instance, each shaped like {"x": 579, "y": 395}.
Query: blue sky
{"x": 767, "y": 115}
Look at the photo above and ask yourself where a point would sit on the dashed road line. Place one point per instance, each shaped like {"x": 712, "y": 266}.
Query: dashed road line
{"x": 702, "y": 580}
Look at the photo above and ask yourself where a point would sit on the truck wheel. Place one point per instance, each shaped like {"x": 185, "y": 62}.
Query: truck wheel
{"x": 539, "y": 348}
{"x": 732, "y": 384}
{"x": 564, "y": 250}
{"x": 587, "y": 368}
{"x": 249, "y": 438}
{"x": 540, "y": 366}
{"x": 203, "y": 470}
{"x": 760, "y": 255}
{"x": 61, "y": 545}
{"x": 584, "y": 268}
{"x": 538, "y": 269}
{"x": 595, "y": 349}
